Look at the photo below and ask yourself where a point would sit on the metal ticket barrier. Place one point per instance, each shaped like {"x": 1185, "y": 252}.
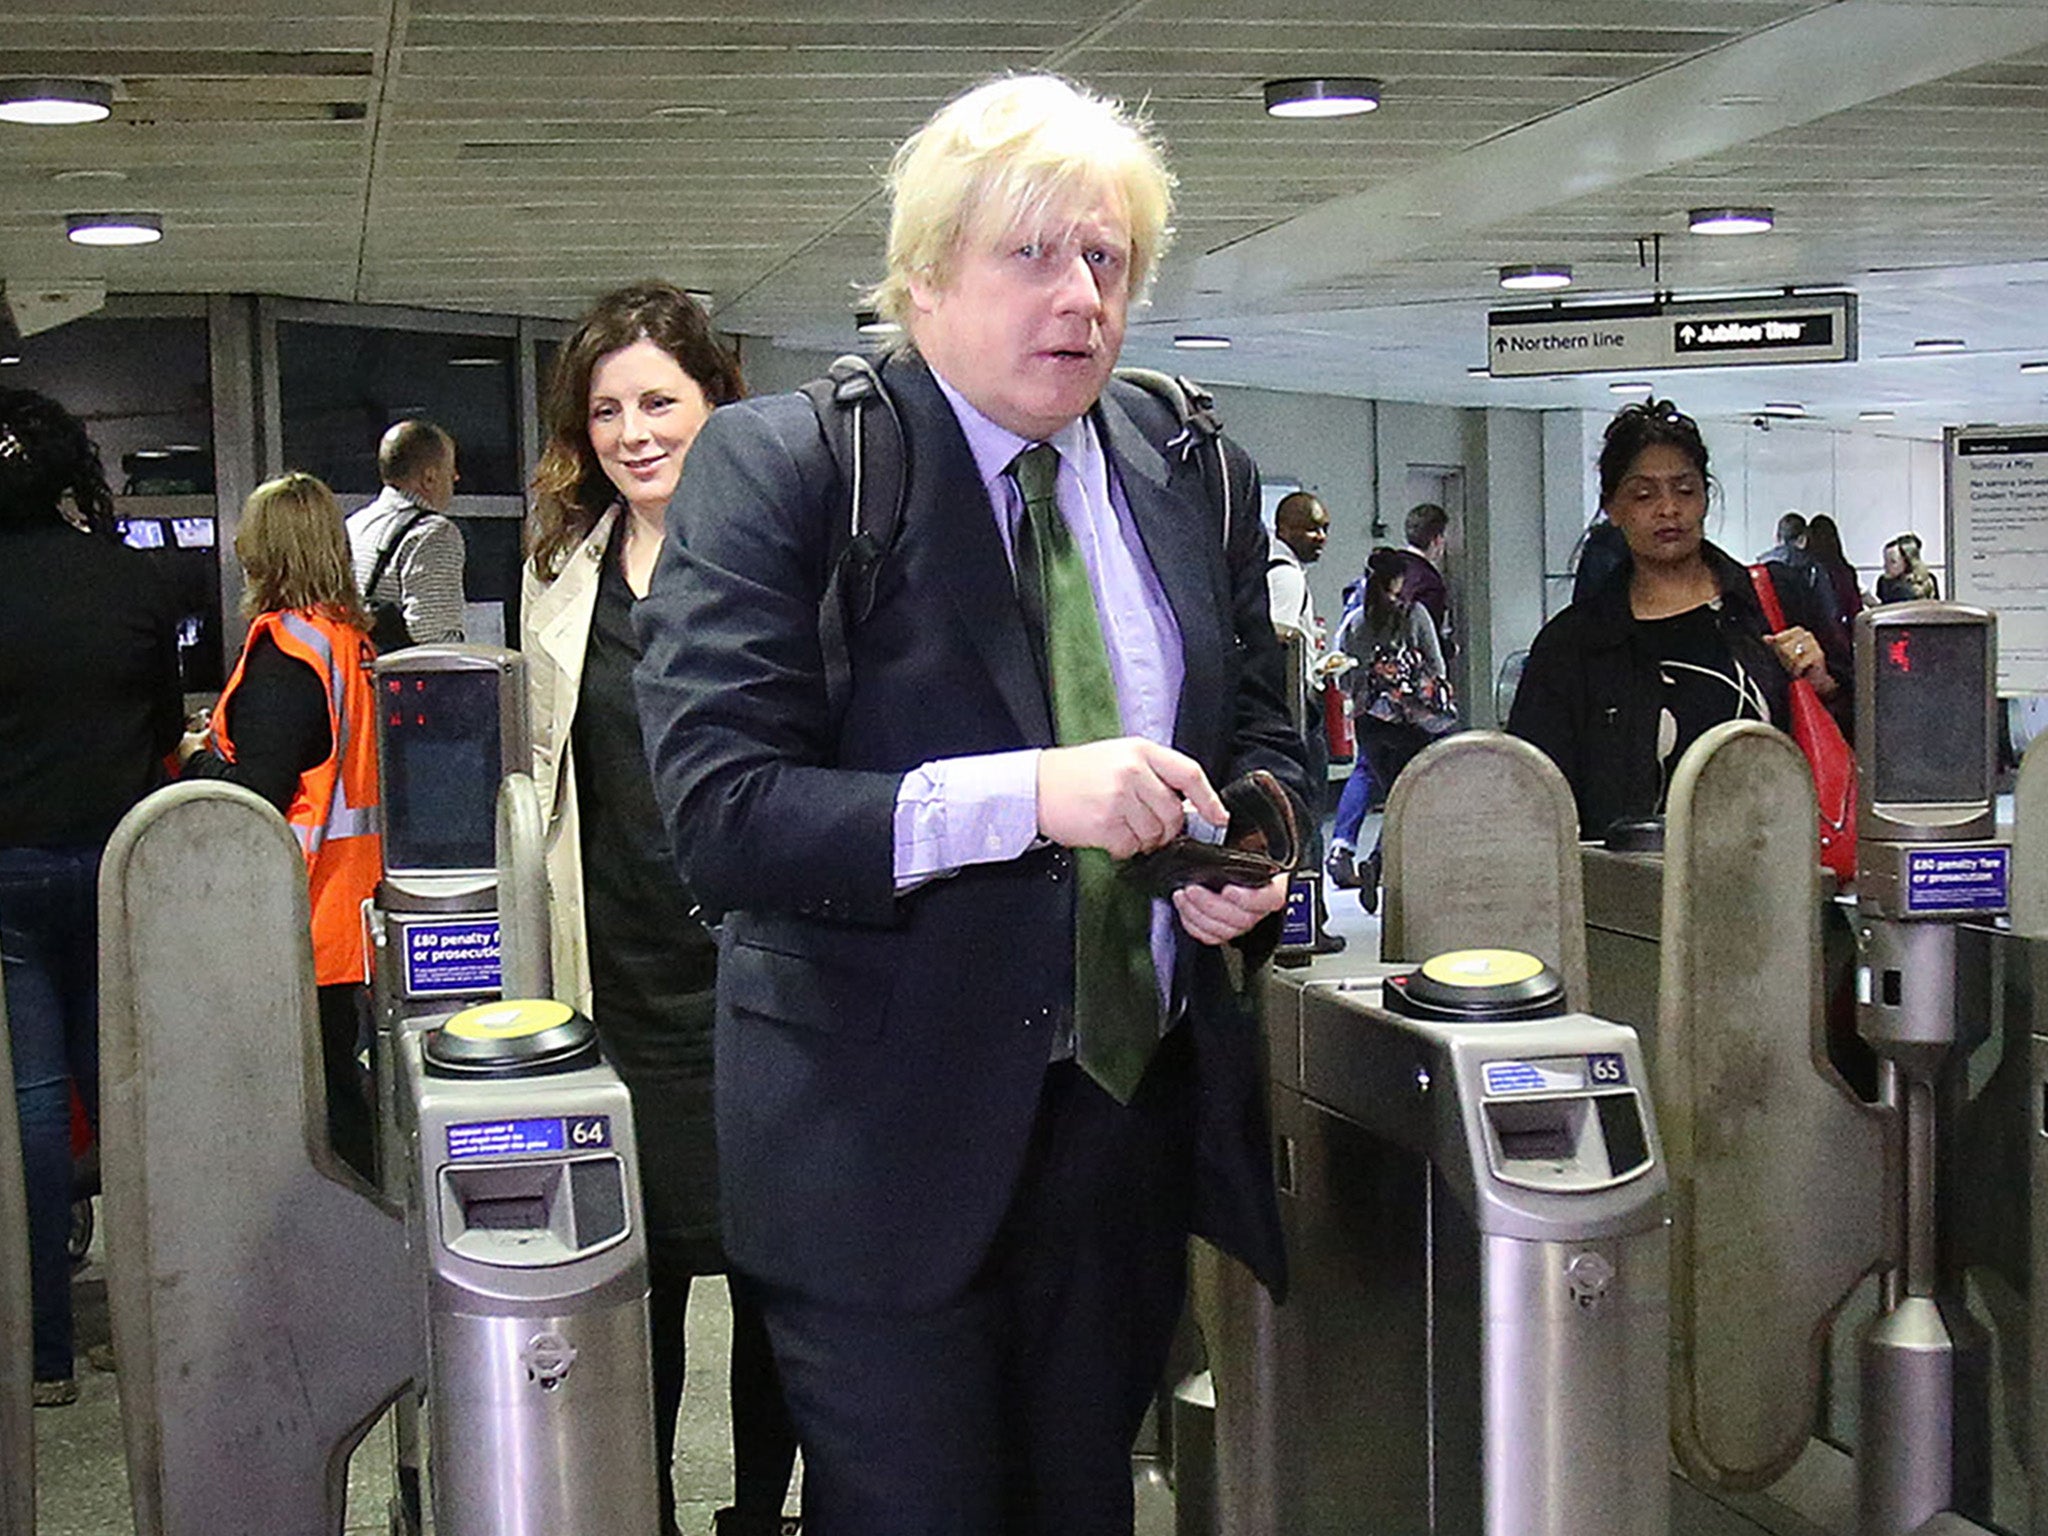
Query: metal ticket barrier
{"x": 506, "y": 1140}
{"x": 1924, "y": 862}
{"x": 1474, "y": 1197}
{"x": 452, "y": 723}
{"x": 17, "y": 1430}
{"x": 1475, "y": 1340}
{"x": 525, "y": 1209}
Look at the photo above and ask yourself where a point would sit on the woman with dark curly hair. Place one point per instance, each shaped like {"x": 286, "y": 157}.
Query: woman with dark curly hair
{"x": 630, "y": 389}
{"x": 1671, "y": 643}
{"x": 89, "y": 709}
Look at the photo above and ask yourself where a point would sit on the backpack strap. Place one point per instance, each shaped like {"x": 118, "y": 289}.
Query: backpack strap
{"x": 390, "y": 548}
{"x": 865, "y": 433}
{"x": 1195, "y": 409}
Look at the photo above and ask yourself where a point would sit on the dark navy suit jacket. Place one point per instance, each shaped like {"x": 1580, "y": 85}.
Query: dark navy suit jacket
{"x": 879, "y": 1057}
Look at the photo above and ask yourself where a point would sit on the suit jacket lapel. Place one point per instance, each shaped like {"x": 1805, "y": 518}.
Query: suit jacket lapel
{"x": 949, "y": 511}
{"x": 1182, "y": 538}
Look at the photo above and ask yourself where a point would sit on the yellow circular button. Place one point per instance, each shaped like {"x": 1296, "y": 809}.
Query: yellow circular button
{"x": 1482, "y": 968}
{"x": 509, "y": 1021}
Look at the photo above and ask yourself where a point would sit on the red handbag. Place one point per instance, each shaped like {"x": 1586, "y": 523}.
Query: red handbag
{"x": 1828, "y": 754}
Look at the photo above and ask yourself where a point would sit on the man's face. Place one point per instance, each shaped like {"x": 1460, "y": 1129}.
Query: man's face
{"x": 440, "y": 481}
{"x": 1306, "y": 531}
{"x": 1030, "y": 320}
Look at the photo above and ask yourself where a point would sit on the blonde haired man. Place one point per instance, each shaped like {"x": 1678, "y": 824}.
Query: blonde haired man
{"x": 975, "y": 1090}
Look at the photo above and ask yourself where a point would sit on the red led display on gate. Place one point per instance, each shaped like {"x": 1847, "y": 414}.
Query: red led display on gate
{"x": 1898, "y": 654}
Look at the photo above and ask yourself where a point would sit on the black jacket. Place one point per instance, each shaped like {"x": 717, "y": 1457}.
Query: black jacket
{"x": 1590, "y": 694}
{"x": 880, "y": 1055}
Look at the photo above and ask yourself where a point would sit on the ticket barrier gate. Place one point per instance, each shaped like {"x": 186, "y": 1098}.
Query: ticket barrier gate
{"x": 509, "y": 1145}
{"x": 262, "y": 1298}
{"x": 525, "y": 1189}
{"x": 1475, "y": 1337}
{"x": 265, "y": 1303}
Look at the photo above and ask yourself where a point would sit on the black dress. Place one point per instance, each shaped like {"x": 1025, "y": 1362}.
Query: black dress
{"x": 653, "y": 965}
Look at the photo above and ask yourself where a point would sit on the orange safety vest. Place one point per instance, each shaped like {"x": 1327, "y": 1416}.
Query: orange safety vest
{"x": 334, "y": 812}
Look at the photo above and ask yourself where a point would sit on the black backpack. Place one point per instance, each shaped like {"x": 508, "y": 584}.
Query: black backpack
{"x": 865, "y": 432}
{"x": 387, "y": 619}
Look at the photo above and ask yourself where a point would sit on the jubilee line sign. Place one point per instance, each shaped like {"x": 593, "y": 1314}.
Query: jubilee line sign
{"x": 1698, "y": 333}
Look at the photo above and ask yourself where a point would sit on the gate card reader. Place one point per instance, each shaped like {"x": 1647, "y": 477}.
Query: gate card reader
{"x": 1474, "y": 1049}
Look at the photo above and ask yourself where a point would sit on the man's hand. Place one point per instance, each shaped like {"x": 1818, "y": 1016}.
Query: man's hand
{"x": 1123, "y": 795}
{"x": 1217, "y": 917}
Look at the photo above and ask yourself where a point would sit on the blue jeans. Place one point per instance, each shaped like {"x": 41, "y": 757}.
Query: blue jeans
{"x": 49, "y": 943}
{"x": 1353, "y": 804}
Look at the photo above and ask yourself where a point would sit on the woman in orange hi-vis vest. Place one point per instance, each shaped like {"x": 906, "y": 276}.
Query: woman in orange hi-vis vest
{"x": 295, "y": 725}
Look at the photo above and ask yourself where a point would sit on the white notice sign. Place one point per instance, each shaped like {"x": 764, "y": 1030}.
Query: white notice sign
{"x": 1998, "y": 541}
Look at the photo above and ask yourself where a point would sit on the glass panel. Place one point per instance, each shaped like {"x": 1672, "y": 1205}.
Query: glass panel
{"x": 142, "y": 388}
{"x": 340, "y": 386}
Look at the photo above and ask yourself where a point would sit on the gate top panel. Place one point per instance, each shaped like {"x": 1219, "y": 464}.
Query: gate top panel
{"x": 262, "y": 1301}
{"x": 1778, "y": 1170}
{"x": 1482, "y": 852}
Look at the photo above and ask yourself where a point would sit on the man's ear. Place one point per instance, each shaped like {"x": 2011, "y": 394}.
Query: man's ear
{"x": 924, "y": 293}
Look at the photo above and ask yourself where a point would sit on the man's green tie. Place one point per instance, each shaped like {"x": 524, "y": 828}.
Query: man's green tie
{"x": 1116, "y": 988}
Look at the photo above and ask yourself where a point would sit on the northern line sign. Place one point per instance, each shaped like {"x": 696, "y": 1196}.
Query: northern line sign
{"x": 1705, "y": 333}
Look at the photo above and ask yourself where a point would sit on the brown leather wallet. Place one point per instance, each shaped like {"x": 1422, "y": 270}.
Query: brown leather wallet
{"x": 1262, "y": 840}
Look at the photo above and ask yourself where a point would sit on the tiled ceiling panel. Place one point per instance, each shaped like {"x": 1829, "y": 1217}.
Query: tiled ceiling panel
{"x": 516, "y": 157}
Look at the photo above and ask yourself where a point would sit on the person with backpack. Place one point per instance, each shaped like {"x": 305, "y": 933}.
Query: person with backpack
{"x": 408, "y": 555}
{"x": 975, "y": 1087}
{"x": 1400, "y": 690}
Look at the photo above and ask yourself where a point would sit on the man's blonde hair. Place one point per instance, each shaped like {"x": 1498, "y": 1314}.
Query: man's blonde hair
{"x": 294, "y": 551}
{"x": 1011, "y": 152}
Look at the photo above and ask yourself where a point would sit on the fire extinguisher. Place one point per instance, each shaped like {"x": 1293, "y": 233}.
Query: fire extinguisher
{"x": 1337, "y": 723}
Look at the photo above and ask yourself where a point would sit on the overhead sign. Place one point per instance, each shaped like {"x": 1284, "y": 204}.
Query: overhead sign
{"x": 1723, "y": 333}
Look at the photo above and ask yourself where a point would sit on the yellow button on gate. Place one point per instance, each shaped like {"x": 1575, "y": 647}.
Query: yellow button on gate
{"x": 509, "y": 1021}
{"x": 1482, "y": 967}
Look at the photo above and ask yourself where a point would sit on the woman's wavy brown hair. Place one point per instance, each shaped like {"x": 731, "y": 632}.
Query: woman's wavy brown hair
{"x": 570, "y": 488}
{"x": 294, "y": 551}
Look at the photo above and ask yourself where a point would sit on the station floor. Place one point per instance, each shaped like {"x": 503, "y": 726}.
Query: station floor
{"x": 82, "y": 1484}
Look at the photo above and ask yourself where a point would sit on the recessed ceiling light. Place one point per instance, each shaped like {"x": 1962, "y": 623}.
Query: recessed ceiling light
{"x": 1192, "y": 343}
{"x": 9, "y": 359}
{"x": 55, "y": 103}
{"x": 689, "y": 109}
{"x": 869, "y": 322}
{"x": 101, "y": 174}
{"x": 476, "y": 360}
{"x": 1940, "y": 344}
{"x": 2041, "y": 367}
{"x": 114, "y": 228}
{"x": 1783, "y": 408}
{"x": 1536, "y": 277}
{"x": 1319, "y": 97}
{"x": 1876, "y": 415}
{"x": 1729, "y": 221}
{"x": 1631, "y": 387}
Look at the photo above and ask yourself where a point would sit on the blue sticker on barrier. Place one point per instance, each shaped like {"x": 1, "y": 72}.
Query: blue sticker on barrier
{"x": 452, "y": 958}
{"x": 1958, "y": 879}
{"x": 515, "y": 1138}
{"x": 504, "y": 1138}
{"x": 1298, "y": 926}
